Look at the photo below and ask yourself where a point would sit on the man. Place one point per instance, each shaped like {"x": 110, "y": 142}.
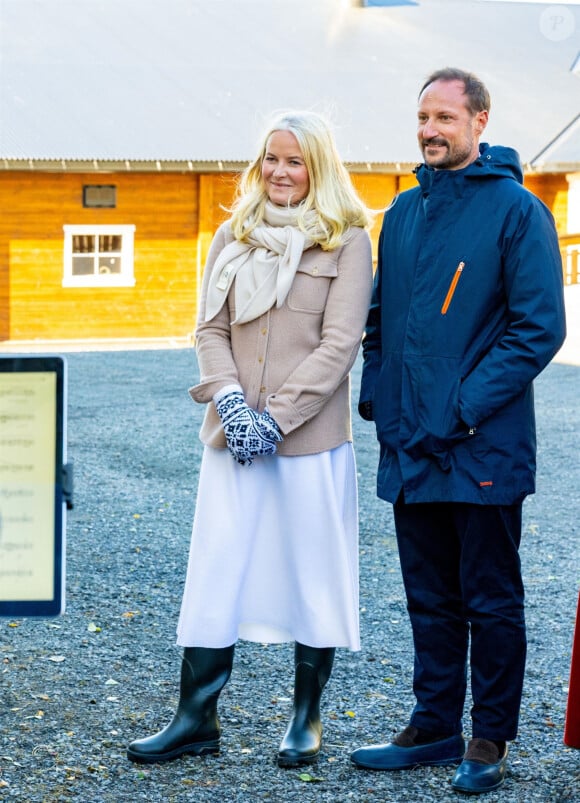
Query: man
{"x": 467, "y": 310}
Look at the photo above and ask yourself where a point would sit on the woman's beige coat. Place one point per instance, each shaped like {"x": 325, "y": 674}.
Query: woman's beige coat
{"x": 296, "y": 359}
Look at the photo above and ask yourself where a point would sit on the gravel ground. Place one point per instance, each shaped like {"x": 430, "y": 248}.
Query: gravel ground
{"x": 76, "y": 689}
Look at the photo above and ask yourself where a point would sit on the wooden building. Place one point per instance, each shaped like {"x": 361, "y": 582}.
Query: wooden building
{"x": 112, "y": 187}
{"x": 71, "y": 270}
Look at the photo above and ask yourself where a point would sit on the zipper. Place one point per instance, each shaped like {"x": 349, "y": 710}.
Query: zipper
{"x": 452, "y": 286}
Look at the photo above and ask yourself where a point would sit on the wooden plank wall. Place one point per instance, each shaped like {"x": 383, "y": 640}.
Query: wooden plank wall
{"x": 175, "y": 216}
{"x": 164, "y": 210}
{"x": 377, "y": 191}
{"x": 553, "y": 190}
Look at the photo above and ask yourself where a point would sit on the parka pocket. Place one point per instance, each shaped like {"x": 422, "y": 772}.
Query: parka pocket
{"x": 452, "y": 288}
{"x": 431, "y": 420}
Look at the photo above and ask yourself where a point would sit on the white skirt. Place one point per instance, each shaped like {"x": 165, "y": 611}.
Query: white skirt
{"x": 274, "y": 552}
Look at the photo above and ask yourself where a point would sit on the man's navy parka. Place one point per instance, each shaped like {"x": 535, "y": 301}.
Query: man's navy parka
{"x": 467, "y": 309}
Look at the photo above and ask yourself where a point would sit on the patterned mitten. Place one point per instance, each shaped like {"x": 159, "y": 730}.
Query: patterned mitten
{"x": 269, "y": 433}
{"x": 248, "y": 433}
{"x": 254, "y": 436}
{"x": 237, "y": 418}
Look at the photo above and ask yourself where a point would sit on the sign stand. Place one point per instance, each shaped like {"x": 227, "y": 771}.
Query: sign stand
{"x": 35, "y": 485}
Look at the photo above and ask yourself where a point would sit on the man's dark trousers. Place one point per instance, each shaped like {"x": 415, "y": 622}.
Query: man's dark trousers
{"x": 462, "y": 575}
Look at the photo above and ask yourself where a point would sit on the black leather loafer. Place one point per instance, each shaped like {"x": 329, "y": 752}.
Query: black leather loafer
{"x": 393, "y": 757}
{"x": 474, "y": 777}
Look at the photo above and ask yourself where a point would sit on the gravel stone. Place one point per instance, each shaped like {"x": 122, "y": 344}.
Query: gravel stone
{"x": 76, "y": 689}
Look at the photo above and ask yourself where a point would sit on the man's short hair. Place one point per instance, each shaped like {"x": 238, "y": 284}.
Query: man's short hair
{"x": 478, "y": 99}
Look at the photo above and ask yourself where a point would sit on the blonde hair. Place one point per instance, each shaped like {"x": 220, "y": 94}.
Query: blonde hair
{"x": 331, "y": 194}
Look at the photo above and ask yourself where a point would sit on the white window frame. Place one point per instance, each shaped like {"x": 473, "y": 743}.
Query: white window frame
{"x": 126, "y": 278}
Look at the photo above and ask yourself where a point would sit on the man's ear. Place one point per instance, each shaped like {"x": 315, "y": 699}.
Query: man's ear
{"x": 481, "y": 119}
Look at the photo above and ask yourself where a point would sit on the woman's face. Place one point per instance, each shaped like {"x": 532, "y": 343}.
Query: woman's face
{"x": 283, "y": 170}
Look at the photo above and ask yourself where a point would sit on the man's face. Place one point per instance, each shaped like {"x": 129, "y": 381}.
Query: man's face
{"x": 448, "y": 133}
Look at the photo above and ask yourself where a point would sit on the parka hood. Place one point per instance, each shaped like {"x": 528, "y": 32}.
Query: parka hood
{"x": 494, "y": 161}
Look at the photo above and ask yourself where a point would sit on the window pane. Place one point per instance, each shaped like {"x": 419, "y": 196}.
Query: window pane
{"x": 83, "y": 266}
{"x": 110, "y": 242}
{"x": 103, "y": 195}
{"x": 110, "y": 265}
{"x": 83, "y": 243}
{"x": 98, "y": 255}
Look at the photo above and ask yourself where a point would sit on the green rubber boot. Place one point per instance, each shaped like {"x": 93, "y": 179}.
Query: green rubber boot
{"x": 303, "y": 738}
{"x": 195, "y": 728}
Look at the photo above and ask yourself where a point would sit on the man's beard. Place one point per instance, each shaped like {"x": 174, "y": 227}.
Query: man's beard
{"x": 451, "y": 158}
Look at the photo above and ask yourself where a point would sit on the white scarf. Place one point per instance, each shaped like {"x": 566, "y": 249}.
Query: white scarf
{"x": 264, "y": 266}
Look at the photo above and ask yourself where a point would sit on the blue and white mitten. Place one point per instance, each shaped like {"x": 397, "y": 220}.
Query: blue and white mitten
{"x": 256, "y": 435}
{"x": 236, "y": 417}
{"x": 268, "y": 432}
{"x": 258, "y": 438}
{"x": 248, "y": 433}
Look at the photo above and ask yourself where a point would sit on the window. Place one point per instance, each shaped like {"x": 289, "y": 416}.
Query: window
{"x": 102, "y": 196}
{"x": 98, "y": 256}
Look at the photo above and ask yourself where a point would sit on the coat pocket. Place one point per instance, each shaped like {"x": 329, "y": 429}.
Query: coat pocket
{"x": 452, "y": 288}
{"x": 431, "y": 423}
{"x": 309, "y": 291}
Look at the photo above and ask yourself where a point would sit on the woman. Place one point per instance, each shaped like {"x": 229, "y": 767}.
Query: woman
{"x": 274, "y": 550}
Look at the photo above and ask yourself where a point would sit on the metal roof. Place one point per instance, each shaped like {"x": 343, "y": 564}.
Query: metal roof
{"x": 563, "y": 153}
{"x": 189, "y": 83}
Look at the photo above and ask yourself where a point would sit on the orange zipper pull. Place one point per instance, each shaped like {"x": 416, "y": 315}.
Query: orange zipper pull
{"x": 452, "y": 287}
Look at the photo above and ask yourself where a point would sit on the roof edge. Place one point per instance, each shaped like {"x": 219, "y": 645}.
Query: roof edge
{"x": 539, "y": 161}
{"x": 170, "y": 166}
{"x": 105, "y": 166}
